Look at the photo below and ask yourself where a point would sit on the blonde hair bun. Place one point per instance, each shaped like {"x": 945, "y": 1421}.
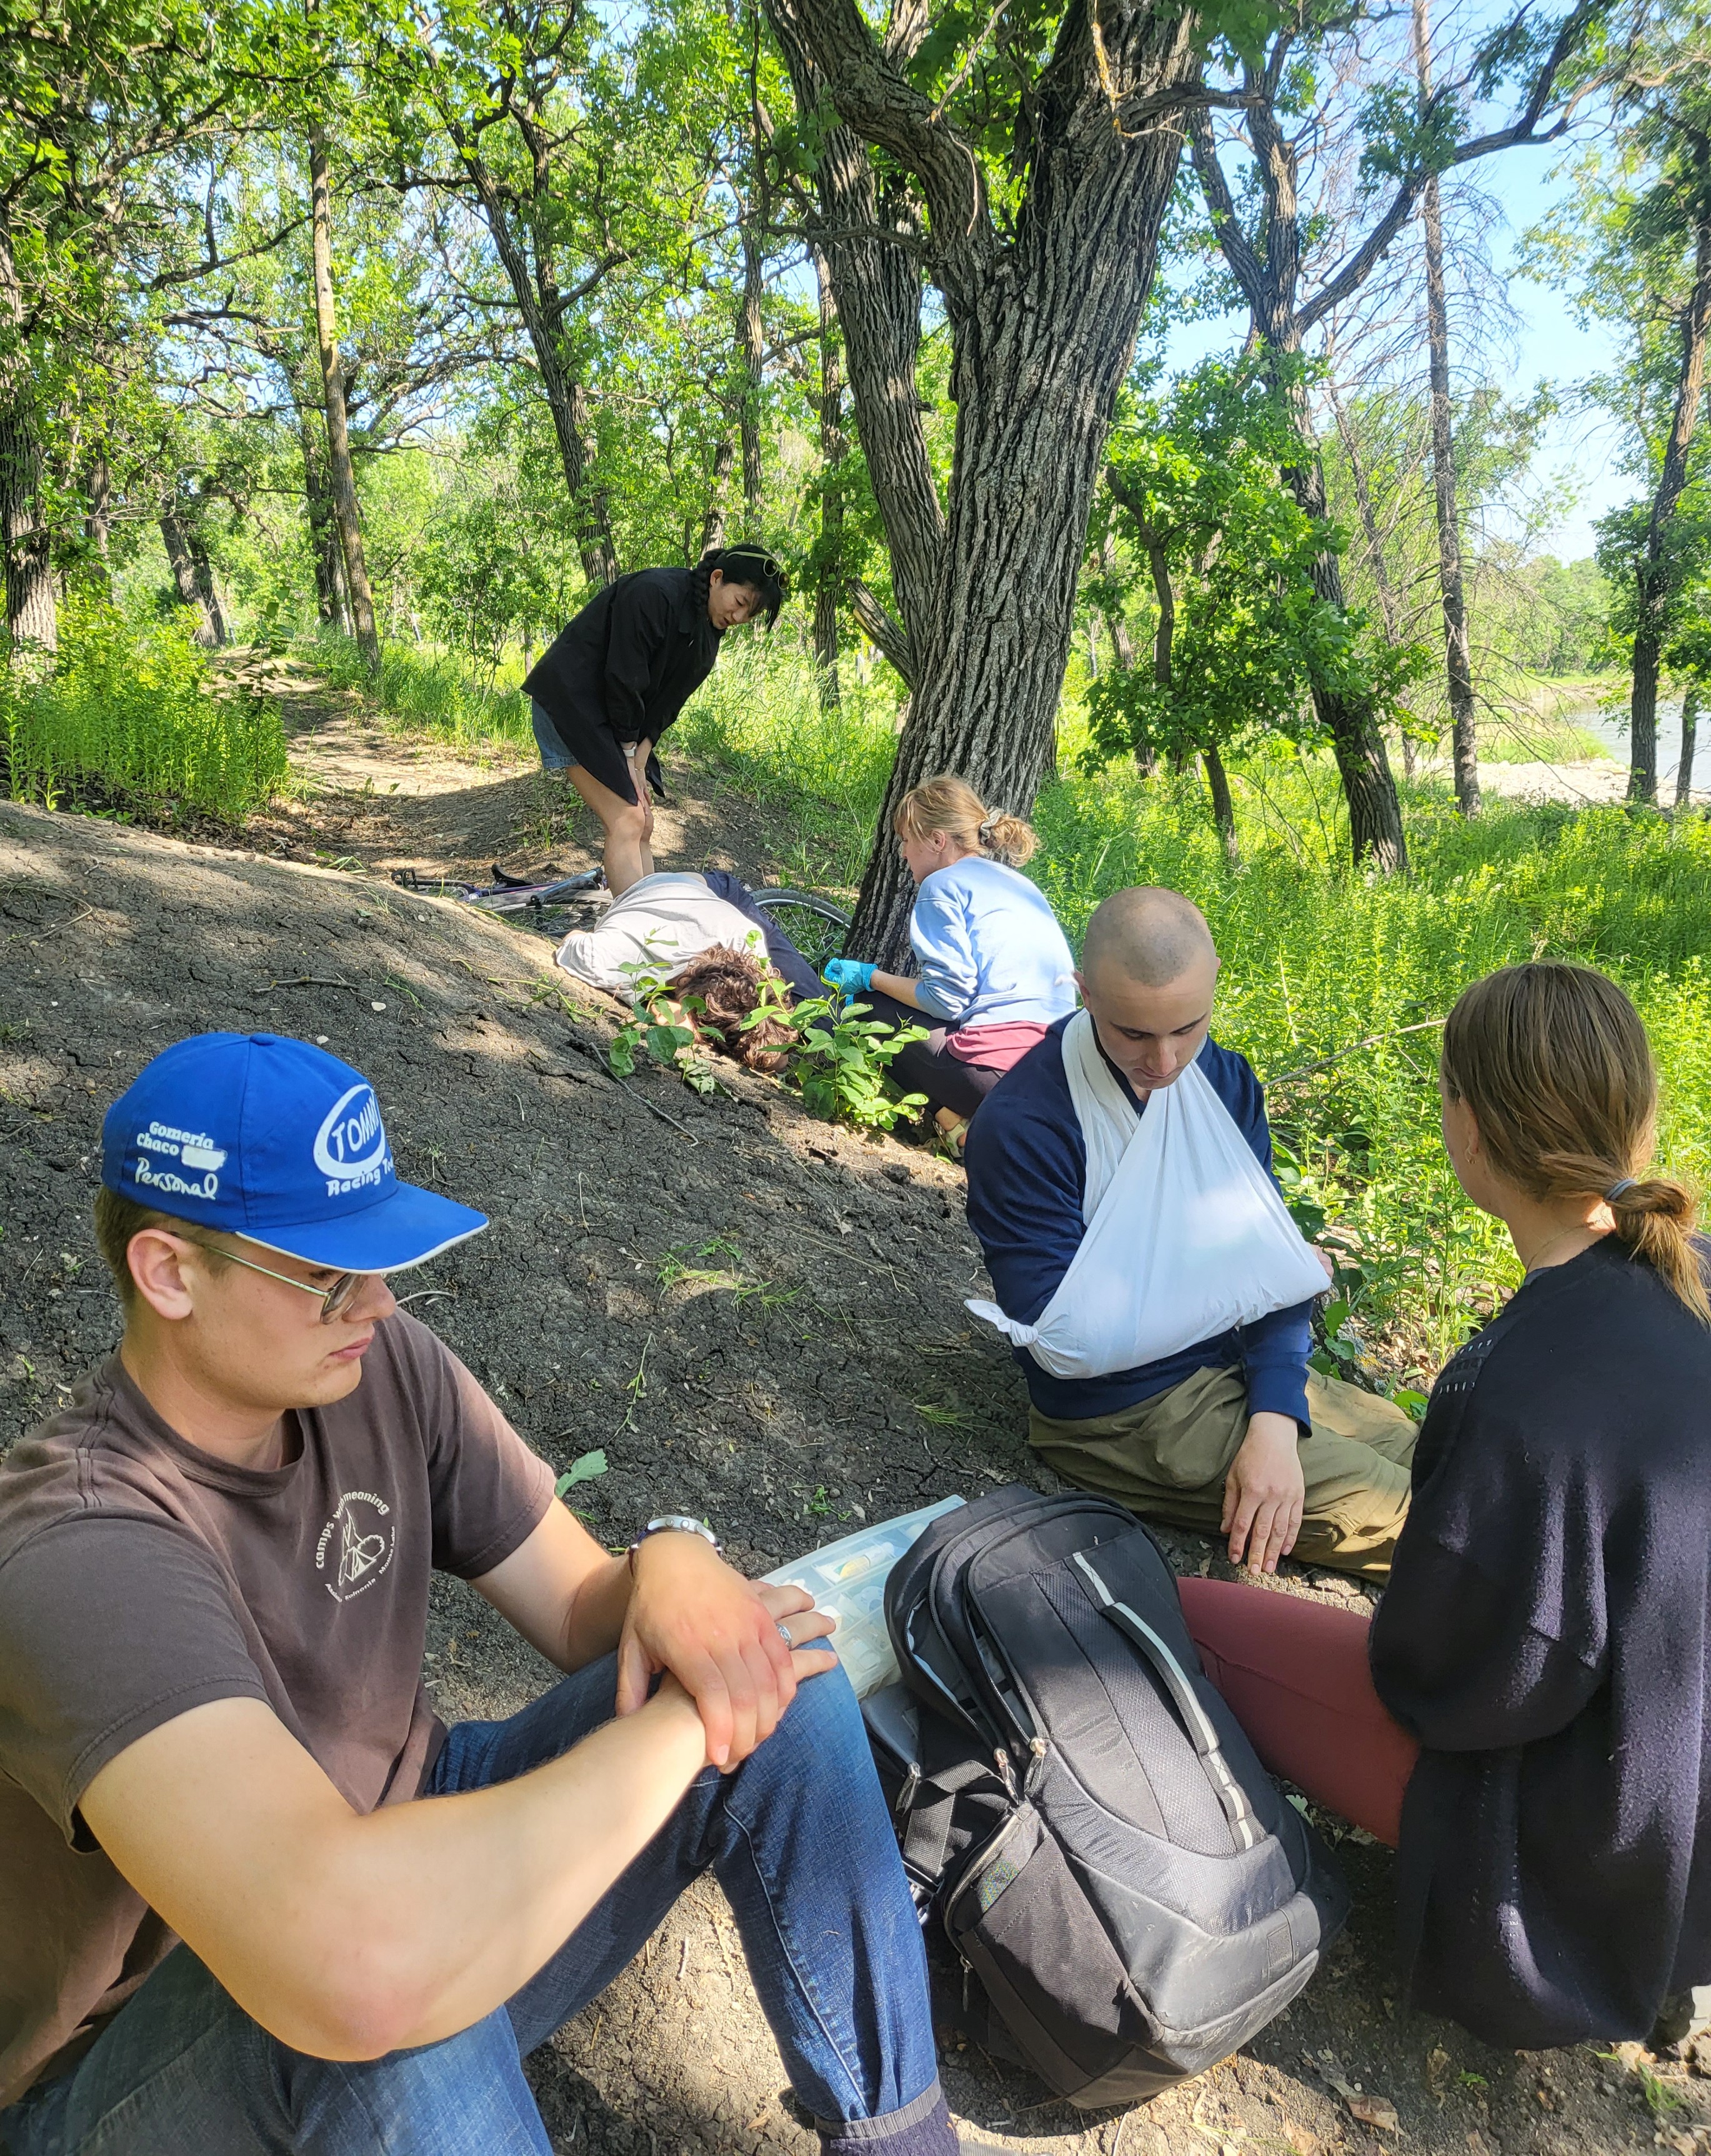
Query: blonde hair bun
{"x": 950, "y": 804}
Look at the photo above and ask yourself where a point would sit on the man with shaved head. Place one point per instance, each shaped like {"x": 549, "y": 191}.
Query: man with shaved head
{"x": 1233, "y": 1434}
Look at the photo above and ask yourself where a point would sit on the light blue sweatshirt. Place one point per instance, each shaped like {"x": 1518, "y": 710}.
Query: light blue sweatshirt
{"x": 988, "y": 947}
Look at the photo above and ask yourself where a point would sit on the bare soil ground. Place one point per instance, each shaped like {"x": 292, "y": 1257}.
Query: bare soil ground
{"x": 840, "y": 1380}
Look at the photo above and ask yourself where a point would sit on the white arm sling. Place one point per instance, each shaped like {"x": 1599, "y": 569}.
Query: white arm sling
{"x": 1186, "y": 1234}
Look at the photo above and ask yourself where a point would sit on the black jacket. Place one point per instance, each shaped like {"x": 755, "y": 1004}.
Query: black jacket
{"x": 624, "y": 668}
{"x": 1545, "y": 1635}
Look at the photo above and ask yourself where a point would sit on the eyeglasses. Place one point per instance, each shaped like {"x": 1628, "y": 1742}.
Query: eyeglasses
{"x": 334, "y": 1299}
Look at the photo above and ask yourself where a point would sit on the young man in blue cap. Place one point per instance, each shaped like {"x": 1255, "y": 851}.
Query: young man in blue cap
{"x": 214, "y": 1567}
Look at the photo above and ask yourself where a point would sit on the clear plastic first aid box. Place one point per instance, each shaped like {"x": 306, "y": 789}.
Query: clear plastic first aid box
{"x": 847, "y": 1579}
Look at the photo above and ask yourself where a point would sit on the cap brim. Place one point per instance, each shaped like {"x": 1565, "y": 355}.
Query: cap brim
{"x": 406, "y": 1228}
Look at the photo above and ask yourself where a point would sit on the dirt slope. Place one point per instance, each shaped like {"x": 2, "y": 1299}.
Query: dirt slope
{"x": 826, "y": 1372}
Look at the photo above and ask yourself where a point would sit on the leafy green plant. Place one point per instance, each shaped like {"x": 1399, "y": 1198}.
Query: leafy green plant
{"x": 845, "y": 1062}
{"x": 134, "y": 708}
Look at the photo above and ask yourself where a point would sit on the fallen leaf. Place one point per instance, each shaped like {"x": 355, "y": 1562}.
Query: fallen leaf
{"x": 1301, "y": 2141}
{"x": 1375, "y": 2111}
{"x": 759, "y": 2120}
{"x": 1438, "y": 2063}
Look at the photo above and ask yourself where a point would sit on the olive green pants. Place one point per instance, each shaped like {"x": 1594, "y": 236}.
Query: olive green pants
{"x": 1166, "y": 1458}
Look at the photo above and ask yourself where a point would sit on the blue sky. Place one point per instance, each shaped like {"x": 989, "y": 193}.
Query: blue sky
{"x": 1551, "y": 348}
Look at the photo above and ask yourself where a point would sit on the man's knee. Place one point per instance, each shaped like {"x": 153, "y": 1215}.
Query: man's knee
{"x": 466, "y": 2092}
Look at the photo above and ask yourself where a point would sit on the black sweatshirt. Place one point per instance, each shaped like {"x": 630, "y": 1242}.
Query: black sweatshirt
{"x": 1546, "y": 1634}
{"x": 624, "y": 668}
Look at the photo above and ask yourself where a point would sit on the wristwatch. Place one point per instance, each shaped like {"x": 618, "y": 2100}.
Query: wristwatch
{"x": 679, "y": 1523}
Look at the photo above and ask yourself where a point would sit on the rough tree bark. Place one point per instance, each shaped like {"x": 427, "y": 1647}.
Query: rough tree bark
{"x": 98, "y": 521}
{"x": 1652, "y": 580}
{"x": 331, "y": 600}
{"x": 192, "y": 573}
{"x": 828, "y": 582}
{"x": 346, "y": 512}
{"x": 1458, "y": 657}
{"x": 1042, "y": 325}
{"x": 32, "y": 621}
{"x": 713, "y": 524}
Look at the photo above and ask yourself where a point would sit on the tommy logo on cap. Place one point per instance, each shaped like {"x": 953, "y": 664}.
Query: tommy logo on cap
{"x": 274, "y": 1140}
{"x": 350, "y": 1147}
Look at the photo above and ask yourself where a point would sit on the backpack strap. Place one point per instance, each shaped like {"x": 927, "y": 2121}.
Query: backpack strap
{"x": 926, "y": 1807}
{"x": 1195, "y": 1720}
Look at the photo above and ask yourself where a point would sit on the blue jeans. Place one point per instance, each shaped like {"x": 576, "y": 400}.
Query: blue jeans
{"x": 800, "y": 1840}
{"x": 554, "y": 755}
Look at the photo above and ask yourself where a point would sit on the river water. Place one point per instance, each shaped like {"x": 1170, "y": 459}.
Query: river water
{"x": 1613, "y": 732}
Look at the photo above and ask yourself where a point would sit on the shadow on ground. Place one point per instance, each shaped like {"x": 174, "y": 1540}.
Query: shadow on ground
{"x": 836, "y": 1377}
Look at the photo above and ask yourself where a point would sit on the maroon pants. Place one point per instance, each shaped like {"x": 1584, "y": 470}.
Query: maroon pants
{"x": 1295, "y": 1676}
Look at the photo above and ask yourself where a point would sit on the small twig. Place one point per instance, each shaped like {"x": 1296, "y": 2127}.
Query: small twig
{"x": 310, "y": 981}
{"x": 653, "y": 1111}
{"x": 1354, "y": 1047}
{"x": 683, "y": 1959}
{"x": 426, "y": 1294}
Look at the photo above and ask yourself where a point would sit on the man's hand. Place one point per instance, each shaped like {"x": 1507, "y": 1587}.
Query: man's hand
{"x": 717, "y": 1634}
{"x": 1264, "y": 1493}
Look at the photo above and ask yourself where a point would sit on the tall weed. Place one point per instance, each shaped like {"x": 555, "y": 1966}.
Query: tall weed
{"x": 129, "y": 708}
{"x": 758, "y": 722}
{"x": 426, "y": 690}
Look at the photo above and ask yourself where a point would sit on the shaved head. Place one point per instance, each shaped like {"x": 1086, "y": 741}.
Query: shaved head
{"x": 1148, "y": 935}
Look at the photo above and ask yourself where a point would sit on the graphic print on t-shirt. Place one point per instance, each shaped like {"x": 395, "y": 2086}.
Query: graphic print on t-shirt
{"x": 355, "y": 1545}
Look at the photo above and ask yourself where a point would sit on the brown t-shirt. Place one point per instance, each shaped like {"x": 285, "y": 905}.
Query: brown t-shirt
{"x": 140, "y": 1577}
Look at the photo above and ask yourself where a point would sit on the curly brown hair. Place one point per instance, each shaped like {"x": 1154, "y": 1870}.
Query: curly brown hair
{"x": 727, "y": 985}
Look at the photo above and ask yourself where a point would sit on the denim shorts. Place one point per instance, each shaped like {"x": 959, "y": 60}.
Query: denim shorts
{"x": 554, "y": 755}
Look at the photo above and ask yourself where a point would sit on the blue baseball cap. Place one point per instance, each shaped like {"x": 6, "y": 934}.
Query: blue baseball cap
{"x": 278, "y": 1142}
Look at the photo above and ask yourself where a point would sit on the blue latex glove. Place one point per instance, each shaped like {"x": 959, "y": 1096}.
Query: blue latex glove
{"x": 854, "y": 975}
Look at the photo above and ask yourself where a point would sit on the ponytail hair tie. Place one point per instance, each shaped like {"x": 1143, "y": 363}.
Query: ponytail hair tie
{"x": 1615, "y": 1190}
{"x": 989, "y": 827}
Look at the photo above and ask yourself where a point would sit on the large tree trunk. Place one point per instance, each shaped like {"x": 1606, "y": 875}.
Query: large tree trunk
{"x": 713, "y": 524}
{"x": 32, "y": 620}
{"x": 330, "y": 596}
{"x": 338, "y": 436}
{"x": 1223, "y": 808}
{"x": 192, "y": 573}
{"x": 98, "y": 522}
{"x": 1458, "y": 661}
{"x": 874, "y": 258}
{"x": 1653, "y": 580}
{"x": 1043, "y": 327}
{"x": 829, "y": 578}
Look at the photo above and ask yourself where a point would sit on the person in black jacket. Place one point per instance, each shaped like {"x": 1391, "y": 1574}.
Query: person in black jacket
{"x": 1540, "y": 1691}
{"x": 617, "y": 676}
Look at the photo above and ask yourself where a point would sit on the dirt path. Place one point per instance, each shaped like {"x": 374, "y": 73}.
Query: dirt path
{"x": 374, "y": 799}
{"x": 841, "y": 1379}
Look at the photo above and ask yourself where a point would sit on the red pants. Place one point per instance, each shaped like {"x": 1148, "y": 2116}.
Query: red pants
{"x": 1295, "y": 1676}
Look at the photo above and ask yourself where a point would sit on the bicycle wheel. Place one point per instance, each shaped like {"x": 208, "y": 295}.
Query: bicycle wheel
{"x": 813, "y": 925}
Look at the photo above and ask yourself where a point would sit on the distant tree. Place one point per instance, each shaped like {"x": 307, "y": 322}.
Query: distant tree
{"x": 1243, "y": 631}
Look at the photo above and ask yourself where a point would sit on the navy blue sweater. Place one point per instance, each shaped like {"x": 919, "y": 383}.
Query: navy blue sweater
{"x": 1546, "y": 1634}
{"x": 1027, "y": 1168}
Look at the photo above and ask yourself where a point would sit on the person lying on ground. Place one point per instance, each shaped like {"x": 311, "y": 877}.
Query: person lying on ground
{"x": 994, "y": 969}
{"x": 1231, "y": 1433}
{"x": 256, "y": 1897}
{"x": 617, "y": 676}
{"x": 670, "y": 917}
{"x": 1528, "y": 1719}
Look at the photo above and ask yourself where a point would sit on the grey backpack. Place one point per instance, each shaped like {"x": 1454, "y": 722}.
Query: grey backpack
{"x": 1077, "y": 1806}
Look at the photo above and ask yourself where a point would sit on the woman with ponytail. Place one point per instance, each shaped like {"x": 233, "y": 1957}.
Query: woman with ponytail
{"x": 994, "y": 971}
{"x": 610, "y": 684}
{"x": 1528, "y": 1717}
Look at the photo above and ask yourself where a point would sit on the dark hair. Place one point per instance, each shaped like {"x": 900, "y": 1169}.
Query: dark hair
{"x": 117, "y": 1220}
{"x": 727, "y": 986}
{"x": 1555, "y": 1065}
{"x": 753, "y": 566}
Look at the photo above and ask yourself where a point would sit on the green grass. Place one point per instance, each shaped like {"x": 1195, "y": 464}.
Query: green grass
{"x": 819, "y": 775}
{"x": 424, "y": 690}
{"x": 1532, "y": 737}
{"x": 128, "y": 711}
{"x": 1319, "y": 957}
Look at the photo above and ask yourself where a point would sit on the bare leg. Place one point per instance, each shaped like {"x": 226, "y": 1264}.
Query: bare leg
{"x": 628, "y": 825}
